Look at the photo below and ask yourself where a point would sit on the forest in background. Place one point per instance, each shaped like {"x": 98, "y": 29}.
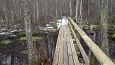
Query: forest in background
{"x": 95, "y": 17}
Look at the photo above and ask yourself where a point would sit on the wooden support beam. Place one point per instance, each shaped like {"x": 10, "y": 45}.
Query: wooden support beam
{"x": 99, "y": 54}
{"x": 73, "y": 50}
{"x": 85, "y": 57}
{"x": 56, "y": 54}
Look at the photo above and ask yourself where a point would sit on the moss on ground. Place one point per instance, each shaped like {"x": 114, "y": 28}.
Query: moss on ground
{"x": 112, "y": 27}
{"x": 34, "y": 38}
{"x": 6, "y": 41}
{"x": 113, "y": 35}
{"x": 33, "y": 62}
{"x": 22, "y": 34}
{"x": 21, "y": 39}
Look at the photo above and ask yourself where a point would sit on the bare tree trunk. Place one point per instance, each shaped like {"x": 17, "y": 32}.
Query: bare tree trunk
{"x": 81, "y": 21}
{"x": 104, "y": 24}
{"x": 77, "y": 11}
{"x": 37, "y": 16}
{"x": 70, "y": 4}
{"x": 34, "y": 11}
{"x": 20, "y": 10}
{"x": 28, "y": 30}
{"x": 45, "y": 11}
{"x": 56, "y": 8}
{"x": 6, "y": 18}
{"x": 12, "y": 16}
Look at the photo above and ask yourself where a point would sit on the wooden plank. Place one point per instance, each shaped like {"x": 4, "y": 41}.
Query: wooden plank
{"x": 74, "y": 53}
{"x": 56, "y": 55}
{"x": 61, "y": 55}
{"x": 75, "y": 57}
{"x": 99, "y": 54}
{"x": 65, "y": 51}
{"x": 85, "y": 57}
{"x": 70, "y": 53}
{"x": 61, "y": 50}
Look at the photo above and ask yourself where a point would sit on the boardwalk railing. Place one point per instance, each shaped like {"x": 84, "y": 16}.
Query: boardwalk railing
{"x": 97, "y": 52}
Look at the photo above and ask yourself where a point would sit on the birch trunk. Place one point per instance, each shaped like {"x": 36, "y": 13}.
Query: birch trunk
{"x": 28, "y": 30}
{"x": 37, "y": 16}
{"x": 77, "y": 11}
{"x": 81, "y": 21}
{"x": 6, "y": 18}
{"x": 56, "y": 8}
{"x": 104, "y": 24}
{"x": 45, "y": 11}
{"x": 70, "y": 4}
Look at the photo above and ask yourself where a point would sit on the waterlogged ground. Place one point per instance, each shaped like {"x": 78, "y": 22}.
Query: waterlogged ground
{"x": 13, "y": 48}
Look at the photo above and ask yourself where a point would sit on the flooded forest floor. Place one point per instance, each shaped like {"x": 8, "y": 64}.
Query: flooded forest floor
{"x": 13, "y": 48}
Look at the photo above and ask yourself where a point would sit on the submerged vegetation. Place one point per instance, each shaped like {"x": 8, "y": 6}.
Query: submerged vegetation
{"x": 6, "y": 41}
{"x": 21, "y": 37}
{"x": 34, "y": 38}
{"x": 17, "y": 43}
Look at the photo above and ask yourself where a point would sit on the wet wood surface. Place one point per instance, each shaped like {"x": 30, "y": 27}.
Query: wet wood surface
{"x": 65, "y": 53}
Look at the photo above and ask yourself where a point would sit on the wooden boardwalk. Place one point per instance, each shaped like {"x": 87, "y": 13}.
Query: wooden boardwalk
{"x": 65, "y": 53}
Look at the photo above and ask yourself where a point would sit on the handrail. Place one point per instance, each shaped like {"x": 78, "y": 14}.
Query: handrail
{"x": 98, "y": 53}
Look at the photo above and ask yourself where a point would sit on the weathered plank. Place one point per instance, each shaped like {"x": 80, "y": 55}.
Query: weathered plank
{"x": 85, "y": 57}
{"x": 65, "y": 48}
{"x": 61, "y": 49}
{"x": 70, "y": 53}
{"x": 56, "y": 54}
{"x": 99, "y": 54}
{"x": 74, "y": 53}
{"x": 65, "y": 51}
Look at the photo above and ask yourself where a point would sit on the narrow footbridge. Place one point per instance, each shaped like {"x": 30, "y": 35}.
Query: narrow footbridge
{"x": 70, "y": 51}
